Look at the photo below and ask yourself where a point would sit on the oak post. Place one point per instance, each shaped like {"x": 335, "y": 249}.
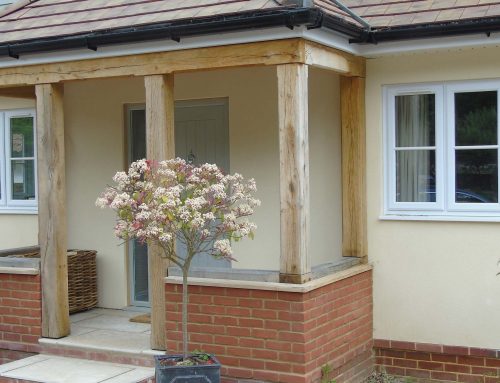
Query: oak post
{"x": 52, "y": 229}
{"x": 354, "y": 221}
{"x": 160, "y": 145}
{"x": 295, "y": 263}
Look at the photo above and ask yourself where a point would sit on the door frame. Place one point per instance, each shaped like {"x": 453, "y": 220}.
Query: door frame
{"x": 128, "y": 108}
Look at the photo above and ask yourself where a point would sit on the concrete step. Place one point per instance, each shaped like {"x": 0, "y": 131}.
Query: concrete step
{"x": 56, "y": 369}
{"x": 103, "y": 352}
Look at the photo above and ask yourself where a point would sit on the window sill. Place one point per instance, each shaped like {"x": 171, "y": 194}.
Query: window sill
{"x": 32, "y": 210}
{"x": 439, "y": 218}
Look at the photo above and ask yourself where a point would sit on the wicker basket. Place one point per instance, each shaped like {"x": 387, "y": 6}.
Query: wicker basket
{"x": 82, "y": 278}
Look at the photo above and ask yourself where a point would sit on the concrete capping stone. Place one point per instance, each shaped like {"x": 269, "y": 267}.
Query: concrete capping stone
{"x": 19, "y": 263}
{"x": 274, "y": 286}
{"x": 19, "y": 270}
{"x": 256, "y": 275}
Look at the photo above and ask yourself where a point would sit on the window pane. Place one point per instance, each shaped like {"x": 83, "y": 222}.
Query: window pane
{"x": 21, "y": 137}
{"x": 476, "y": 176}
{"x": 415, "y": 176}
{"x": 476, "y": 118}
{"x": 23, "y": 179}
{"x": 415, "y": 120}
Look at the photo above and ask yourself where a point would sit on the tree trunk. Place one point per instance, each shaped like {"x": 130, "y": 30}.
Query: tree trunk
{"x": 185, "y": 271}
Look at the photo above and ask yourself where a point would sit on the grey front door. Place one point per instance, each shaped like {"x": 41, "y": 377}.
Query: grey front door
{"x": 201, "y": 136}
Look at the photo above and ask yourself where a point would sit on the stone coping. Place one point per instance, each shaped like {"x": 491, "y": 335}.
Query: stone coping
{"x": 317, "y": 271}
{"x": 274, "y": 286}
{"x": 19, "y": 270}
{"x": 10, "y": 264}
{"x": 13, "y": 265}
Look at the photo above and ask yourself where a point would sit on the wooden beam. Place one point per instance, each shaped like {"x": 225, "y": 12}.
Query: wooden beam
{"x": 27, "y": 92}
{"x": 52, "y": 210}
{"x": 333, "y": 59}
{"x": 160, "y": 145}
{"x": 295, "y": 263}
{"x": 260, "y": 53}
{"x": 354, "y": 237}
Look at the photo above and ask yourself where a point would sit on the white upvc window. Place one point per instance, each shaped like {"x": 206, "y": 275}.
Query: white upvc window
{"x": 18, "y": 173}
{"x": 442, "y": 150}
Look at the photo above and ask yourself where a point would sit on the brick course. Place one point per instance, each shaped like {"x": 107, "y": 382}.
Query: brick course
{"x": 429, "y": 362}
{"x": 20, "y": 312}
{"x": 275, "y": 336}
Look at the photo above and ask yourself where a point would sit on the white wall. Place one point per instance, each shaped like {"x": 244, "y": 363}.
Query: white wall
{"x": 433, "y": 281}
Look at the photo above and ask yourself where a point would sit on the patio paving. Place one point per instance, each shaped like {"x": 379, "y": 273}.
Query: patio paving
{"x": 56, "y": 369}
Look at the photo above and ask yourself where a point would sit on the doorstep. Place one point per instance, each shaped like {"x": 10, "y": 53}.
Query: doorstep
{"x": 105, "y": 335}
{"x": 57, "y": 369}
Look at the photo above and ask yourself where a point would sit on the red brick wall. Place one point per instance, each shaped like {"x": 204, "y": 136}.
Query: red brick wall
{"x": 276, "y": 336}
{"x": 20, "y": 312}
{"x": 437, "y": 362}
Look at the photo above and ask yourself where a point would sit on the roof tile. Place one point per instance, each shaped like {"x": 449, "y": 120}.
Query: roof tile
{"x": 46, "y": 18}
{"x": 450, "y": 14}
{"x": 474, "y": 12}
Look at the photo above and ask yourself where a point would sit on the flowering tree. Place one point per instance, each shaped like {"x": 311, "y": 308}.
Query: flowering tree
{"x": 173, "y": 202}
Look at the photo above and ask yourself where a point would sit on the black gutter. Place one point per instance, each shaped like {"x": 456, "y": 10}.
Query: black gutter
{"x": 420, "y": 31}
{"x": 289, "y": 17}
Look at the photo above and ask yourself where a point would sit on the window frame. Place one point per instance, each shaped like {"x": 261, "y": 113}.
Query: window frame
{"x": 445, "y": 206}
{"x": 451, "y": 89}
{"x": 7, "y": 203}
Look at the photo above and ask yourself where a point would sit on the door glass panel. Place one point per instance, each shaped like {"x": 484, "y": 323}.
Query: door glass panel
{"x": 139, "y": 251}
{"x": 138, "y": 134}
{"x": 476, "y": 176}
{"x": 140, "y": 265}
{"x": 415, "y": 176}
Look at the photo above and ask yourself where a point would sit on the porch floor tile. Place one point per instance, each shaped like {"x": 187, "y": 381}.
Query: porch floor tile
{"x": 107, "y": 330}
{"x": 56, "y": 369}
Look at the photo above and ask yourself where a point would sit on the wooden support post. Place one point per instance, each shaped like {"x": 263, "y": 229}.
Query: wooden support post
{"x": 160, "y": 145}
{"x": 354, "y": 237}
{"x": 294, "y": 173}
{"x": 52, "y": 210}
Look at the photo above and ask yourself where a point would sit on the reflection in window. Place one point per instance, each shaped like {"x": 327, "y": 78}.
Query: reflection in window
{"x": 22, "y": 161}
{"x": 476, "y": 162}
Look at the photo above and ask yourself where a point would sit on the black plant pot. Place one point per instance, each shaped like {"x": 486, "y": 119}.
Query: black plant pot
{"x": 206, "y": 373}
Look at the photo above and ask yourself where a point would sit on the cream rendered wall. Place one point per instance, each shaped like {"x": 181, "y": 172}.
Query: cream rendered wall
{"x": 254, "y": 152}
{"x": 94, "y": 142}
{"x": 17, "y": 230}
{"x": 433, "y": 281}
{"x": 95, "y": 150}
{"x": 325, "y": 166}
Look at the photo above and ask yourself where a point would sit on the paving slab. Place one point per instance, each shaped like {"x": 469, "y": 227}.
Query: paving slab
{"x": 56, "y": 369}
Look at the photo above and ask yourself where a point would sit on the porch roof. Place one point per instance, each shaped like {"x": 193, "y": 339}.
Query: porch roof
{"x": 45, "y": 25}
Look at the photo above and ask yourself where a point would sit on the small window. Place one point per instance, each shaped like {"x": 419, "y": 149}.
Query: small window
{"x": 442, "y": 149}
{"x": 18, "y": 185}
